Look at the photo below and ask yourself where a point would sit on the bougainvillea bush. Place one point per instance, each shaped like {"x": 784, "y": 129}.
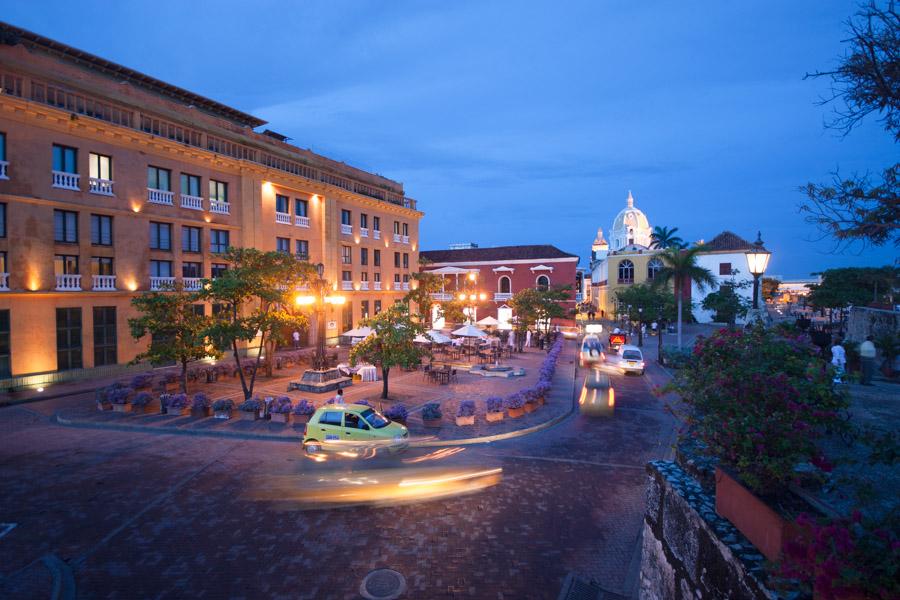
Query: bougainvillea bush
{"x": 759, "y": 402}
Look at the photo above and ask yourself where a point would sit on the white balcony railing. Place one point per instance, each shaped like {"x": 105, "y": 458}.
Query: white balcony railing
{"x": 103, "y": 283}
{"x": 346, "y": 229}
{"x": 68, "y": 283}
{"x": 405, "y": 286}
{"x": 398, "y": 286}
{"x": 579, "y": 297}
{"x": 155, "y": 196}
{"x": 191, "y": 284}
{"x": 283, "y": 218}
{"x": 441, "y": 296}
{"x": 376, "y": 285}
{"x": 364, "y": 286}
{"x": 104, "y": 187}
{"x": 501, "y": 297}
{"x": 364, "y": 232}
{"x": 301, "y": 221}
{"x": 397, "y": 237}
{"x": 4, "y": 169}
{"x": 405, "y": 239}
{"x": 66, "y": 181}
{"x": 162, "y": 283}
{"x": 192, "y": 202}
{"x": 376, "y": 234}
{"x": 4, "y": 282}
{"x": 219, "y": 207}
{"x": 347, "y": 286}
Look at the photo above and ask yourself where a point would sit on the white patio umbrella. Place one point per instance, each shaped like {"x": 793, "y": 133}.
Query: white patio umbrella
{"x": 421, "y": 339}
{"x": 468, "y": 331}
{"x": 359, "y": 332}
{"x": 488, "y": 322}
{"x": 438, "y": 337}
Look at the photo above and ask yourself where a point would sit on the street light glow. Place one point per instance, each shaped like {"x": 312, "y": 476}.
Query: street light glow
{"x": 304, "y": 300}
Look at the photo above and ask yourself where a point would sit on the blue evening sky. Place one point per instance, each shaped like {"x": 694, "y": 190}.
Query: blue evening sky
{"x": 526, "y": 122}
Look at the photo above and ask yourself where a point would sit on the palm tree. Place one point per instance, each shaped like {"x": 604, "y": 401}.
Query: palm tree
{"x": 663, "y": 237}
{"x": 680, "y": 267}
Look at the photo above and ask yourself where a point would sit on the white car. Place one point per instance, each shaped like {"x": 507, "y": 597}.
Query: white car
{"x": 591, "y": 351}
{"x": 631, "y": 359}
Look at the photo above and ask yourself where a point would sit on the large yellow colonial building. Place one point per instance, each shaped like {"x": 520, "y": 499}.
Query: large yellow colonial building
{"x": 113, "y": 183}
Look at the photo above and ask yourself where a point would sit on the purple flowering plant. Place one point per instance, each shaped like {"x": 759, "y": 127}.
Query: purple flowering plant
{"x": 397, "y": 412}
{"x": 304, "y": 407}
{"x": 514, "y": 400}
{"x": 466, "y": 408}
{"x": 200, "y": 401}
{"x": 493, "y": 404}
{"x": 281, "y": 405}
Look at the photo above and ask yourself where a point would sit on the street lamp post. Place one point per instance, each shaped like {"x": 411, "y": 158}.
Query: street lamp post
{"x": 757, "y": 261}
{"x": 318, "y": 299}
{"x": 640, "y": 326}
{"x": 471, "y": 297}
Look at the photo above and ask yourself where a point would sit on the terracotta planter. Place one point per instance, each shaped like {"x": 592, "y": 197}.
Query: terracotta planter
{"x": 249, "y": 416}
{"x": 104, "y": 406}
{"x": 493, "y": 417}
{"x": 176, "y": 412}
{"x": 463, "y": 421}
{"x": 153, "y": 406}
{"x": 432, "y": 422}
{"x": 223, "y": 414}
{"x": 280, "y": 417}
{"x": 540, "y": 401}
{"x": 765, "y": 528}
{"x": 198, "y": 413}
{"x": 300, "y": 419}
{"x": 530, "y": 407}
{"x": 144, "y": 409}
{"x": 122, "y": 408}
{"x": 515, "y": 413}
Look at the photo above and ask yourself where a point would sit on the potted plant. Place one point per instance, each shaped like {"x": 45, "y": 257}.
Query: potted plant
{"x": 432, "y": 415}
{"x": 176, "y": 405}
{"x": 200, "y": 405}
{"x": 515, "y": 405}
{"x": 493, "y": 409}
{"x": 465, "y": 413}
{"x": 143, "y": 402}
{"x": 142, "y": 381}
{"x": 542, "y": 388}
{"x": 303, "y": 410}
{"x": 222, "y": 408}
{"x": 170, "y": 380}
{"x": 249, "y": 409}
{"x": 530, "y": 399}
{"x": 280, "y": 409}
{"x": 363, "y": 402}
{"x": 119, "y": 398}
{"x": 397, "y": 413}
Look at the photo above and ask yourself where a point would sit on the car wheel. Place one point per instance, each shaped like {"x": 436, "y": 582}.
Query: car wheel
{"x": 312, "y": 447}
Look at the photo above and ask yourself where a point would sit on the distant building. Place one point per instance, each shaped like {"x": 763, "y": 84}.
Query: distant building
{"x": 499, "y": 273}
{"x": 726, "y": 257}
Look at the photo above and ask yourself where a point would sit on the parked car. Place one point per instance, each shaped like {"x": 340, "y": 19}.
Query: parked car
{"x": 598, "y": 397}
{"x": 352, "y": 425}
{"x": 631, "y": 359}
{"x": 591, "y": 351}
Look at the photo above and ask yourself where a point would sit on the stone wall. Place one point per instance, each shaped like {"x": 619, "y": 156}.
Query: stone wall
{"x": 690, "y": 552}
{"x": 871, "y": 321}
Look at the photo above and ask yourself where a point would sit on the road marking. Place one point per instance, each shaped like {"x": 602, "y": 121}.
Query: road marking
{"x": 6, "y": 528}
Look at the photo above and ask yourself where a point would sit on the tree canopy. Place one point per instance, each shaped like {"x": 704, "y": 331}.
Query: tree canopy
{"x": 769, "y": 287}
{"x": 662, "y": 237}
{"x": 653, "y": 302}
{"x": 423, "y": 285}
{"x": 535, "y": 307}
{"x": 854, "y": 286}
{"x": 680, "y": 268}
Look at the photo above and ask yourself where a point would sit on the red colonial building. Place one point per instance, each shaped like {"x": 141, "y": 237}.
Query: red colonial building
{"x": 494, "y": 275}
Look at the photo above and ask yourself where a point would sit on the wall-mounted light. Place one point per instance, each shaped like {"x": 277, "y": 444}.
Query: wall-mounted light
{"x": 136, "y": 207}
{"x": 267, "y": 186}
{"x": 132, "y": 285}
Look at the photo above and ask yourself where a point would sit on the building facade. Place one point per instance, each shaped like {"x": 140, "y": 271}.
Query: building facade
{"x": 501, "y": 272}
{"x": 113, "y": 183}
{"x": 725, "y": 256}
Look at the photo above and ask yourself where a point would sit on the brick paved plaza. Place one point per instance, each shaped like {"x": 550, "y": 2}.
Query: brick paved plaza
{"x": 139, "y": 514}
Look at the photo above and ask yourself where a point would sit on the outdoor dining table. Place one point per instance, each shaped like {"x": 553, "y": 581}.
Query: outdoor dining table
{"x": 368, "y": 373}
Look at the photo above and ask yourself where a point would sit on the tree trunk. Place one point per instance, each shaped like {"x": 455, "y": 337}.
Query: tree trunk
{"x": 237, "y": 360}
{"x": 679, "y": 321}
{"x": 262, "y": 344}
{"x": 384, "y": 382}
{"x": 659, "y": 333}
{"x": 184, "y": 377}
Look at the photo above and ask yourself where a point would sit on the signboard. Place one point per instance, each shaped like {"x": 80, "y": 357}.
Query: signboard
{"x": 332, "y": 325}
{"x": 617, "y": 339}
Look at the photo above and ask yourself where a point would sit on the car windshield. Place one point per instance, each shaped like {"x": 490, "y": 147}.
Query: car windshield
{"x": 631, "y": 355}
{"x": 374, "y": 419}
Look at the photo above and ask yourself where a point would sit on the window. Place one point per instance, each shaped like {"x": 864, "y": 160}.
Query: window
{"x": 160, "y": 268}
{"x": 190, "y": 184}
{"x": 65, "y": 159}
{"x": 725, "y": 268}
{"x": 626, "y": 272}
{"x": 331, "y": 417}
{"x": 347, "y": 318}
{"x": 302, "y": 248}
{"x": 159, "y": 179}
{"x": 346, "y": 217}
{"x": 301, "y": 207}
{"x": 363, "y": 309}
{"x": 3, "y": 263}
{"x": 543, "y": 282}
{"x": 68, "y": 338}
{"x": 377, "y": 306}
{"x": 405, "y": 278}
{"x": 100, "y": 166}
{"x": 102, "y": 265}
{"x": 396, "y": 277}
{"x": 376, "y": 258}
{"x": 405, "y": 260}
{"x": 5, "y": 355}
{"x": 282, "y": 204}
{"x": 101, "y": 230}
{"x": 218, "y": 241}
{"x": 105, "y": 336}
{"x": 217, "y": 309}
{"x": 283, "y": 245}
{"x": 3, "y": 148}
{"x": 65, "y": 226}
{"x": 363, "y": 220}
{"x": 192, "y": 269}
{"x": 65, "y": 264}
{"x": 406, "y": 229}
{"x": 352, "y": 420}
{"x": 376, "y": 223}
{"x": 363, "y": 256}
{"x": 346, "y": 255}
{"x": 199, "y": 310}
{"x": 160, "y": 236}
{"x": 504, "y": 285}
{"x": 364, "y": 276}
{"x": 397, "y": 227}
{"x": 653, "y": 268}
{"x": 218, "y": 191}
{"x": 397, "y": 259}
{"x": 346, "y": 276}
{"x": 2, "y": 219}
{"x": 217, "y": 269}
{"x": 378, "y": 277}
{"x": 191, "y": 239}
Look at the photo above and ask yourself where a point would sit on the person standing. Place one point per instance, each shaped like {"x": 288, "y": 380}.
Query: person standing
{"x": 838, "y": 360}
{"x": 296, "y": 336}
{"x": 867, "y": 353}
{"x": 339, "y": 397}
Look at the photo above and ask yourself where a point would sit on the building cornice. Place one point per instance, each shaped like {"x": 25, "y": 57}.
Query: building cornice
{"x": 503, "y": 262}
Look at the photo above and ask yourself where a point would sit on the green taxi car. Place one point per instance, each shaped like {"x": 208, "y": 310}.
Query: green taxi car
{"x": 349, "y": 425}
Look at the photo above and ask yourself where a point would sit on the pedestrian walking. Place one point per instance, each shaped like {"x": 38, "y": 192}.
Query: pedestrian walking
{"x": 653, "y": 327}
{"x": 339, "y": 397}
{"x": 296, "y": 336}
{"x": 838, "y": 360}
{"x": 867, "y": 353}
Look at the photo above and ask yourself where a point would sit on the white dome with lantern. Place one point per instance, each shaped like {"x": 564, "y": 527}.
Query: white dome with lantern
{"x": 630, "y": 227}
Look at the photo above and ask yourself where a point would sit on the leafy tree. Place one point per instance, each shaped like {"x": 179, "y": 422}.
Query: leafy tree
{"x": 680, "y": 268}
{"x": 424, "y": 284}
{"x": 534, "y": 307}
{"x": 452, "y": 311}
{"x": 769, "y": 287}
{"x": 853, "y": 286}
{"x": 866, "y": 81}
{"x": 392, "y": 343}
{"x": 255, "y": 294}
{"x": 663, "y": 237}
{"x": 177, "y": 330}
{"x": 728, "y": 305}
{"x": 647, "y": 304}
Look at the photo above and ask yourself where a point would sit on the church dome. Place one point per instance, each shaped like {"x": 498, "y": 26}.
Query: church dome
{"x": 630, "y": 226}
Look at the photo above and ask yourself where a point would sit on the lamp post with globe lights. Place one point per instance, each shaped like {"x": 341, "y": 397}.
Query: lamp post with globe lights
{"x": 319, "y": 297}
{"x": 469, "y": 296}
{"x": 757, "y": 261}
